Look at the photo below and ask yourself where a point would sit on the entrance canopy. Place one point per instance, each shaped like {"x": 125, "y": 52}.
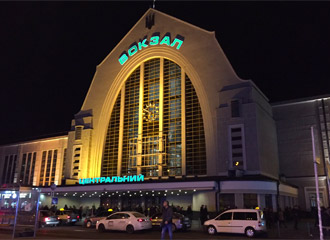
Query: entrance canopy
{"x": 198, "y": 185}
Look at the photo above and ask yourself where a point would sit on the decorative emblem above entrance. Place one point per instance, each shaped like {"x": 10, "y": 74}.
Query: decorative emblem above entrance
{"x": 150, "y": 112}
{"x": 153, "y": 40}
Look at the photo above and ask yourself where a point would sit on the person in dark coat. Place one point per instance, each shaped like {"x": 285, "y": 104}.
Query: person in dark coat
{"x": 296, "y": 213}
{"x": 189, "y": 212}
{"x": 167, "y": 217}
{"x": 203, "y": 214}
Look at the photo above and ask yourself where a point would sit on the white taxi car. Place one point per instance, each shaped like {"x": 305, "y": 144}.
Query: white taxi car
{"x": 124, "y": 221}
{"x": 244, "y": 221}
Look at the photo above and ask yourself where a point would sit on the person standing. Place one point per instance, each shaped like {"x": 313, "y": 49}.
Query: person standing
{"x": 203, "y": 214}
{"x": 281, "y": 218}
{"x": 167, "y": 216}
{"x": 189, "y": 212}
{"x": 296, "y": 216}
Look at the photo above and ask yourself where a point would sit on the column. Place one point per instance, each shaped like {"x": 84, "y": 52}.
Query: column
{"x": 121, "y": 130}
{"x": 139, "y": 142}
{"x": 183, "y": 122}
{"x": 161, "y": 114}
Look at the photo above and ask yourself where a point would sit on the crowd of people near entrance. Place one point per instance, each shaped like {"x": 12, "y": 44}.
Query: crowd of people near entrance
{"x": 151, "y": 211}
{"x": 281, "y": 217}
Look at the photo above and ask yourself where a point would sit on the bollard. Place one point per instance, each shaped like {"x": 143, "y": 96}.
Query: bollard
{"x": 278, "y": 229}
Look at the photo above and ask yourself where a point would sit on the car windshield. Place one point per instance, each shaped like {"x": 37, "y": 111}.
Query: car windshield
{"x": 136, "y": 214}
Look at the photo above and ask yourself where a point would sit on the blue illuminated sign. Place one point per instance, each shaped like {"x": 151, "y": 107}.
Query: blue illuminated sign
{"x": 134, "y": 178}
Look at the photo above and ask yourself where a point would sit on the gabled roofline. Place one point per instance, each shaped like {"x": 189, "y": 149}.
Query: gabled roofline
{"x": 128, "y": 33}
{"x": 141, "y": 19}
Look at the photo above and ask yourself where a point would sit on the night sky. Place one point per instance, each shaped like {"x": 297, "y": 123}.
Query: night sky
{"x": 50, "y": 50}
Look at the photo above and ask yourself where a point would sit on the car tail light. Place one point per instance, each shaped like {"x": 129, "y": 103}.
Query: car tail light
{"x": 78, "y": 216}
{"x": 260, "y": 224}
{"x": 68, "y": 217}
{"x": 150, "y": 219}
{"x": 46, "y": 219}
{"x": 140, "y": 220}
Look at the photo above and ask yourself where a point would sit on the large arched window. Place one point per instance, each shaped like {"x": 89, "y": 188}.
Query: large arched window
{"x": 156, "y": 125}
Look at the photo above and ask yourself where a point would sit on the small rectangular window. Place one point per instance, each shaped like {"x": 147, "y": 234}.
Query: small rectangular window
{"x": 238, "y": 129}
{"x": 235, "y": 108}
{"x": 236, "y": 138}
{"x": 78, "y": 132}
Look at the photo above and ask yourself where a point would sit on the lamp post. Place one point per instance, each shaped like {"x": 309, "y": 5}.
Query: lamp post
{"x": 315, "y": 161}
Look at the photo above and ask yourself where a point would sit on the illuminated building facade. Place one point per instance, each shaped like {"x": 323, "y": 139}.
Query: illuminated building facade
{"x": 165, "y": 104}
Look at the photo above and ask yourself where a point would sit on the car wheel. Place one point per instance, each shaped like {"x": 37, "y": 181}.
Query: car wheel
{"x": 101, "y": 228}
{"x": 250, "y": 232}
{"x": 173, "y": 227}
{"x": 89, "y": 224}
{"x": 211, "y": 230}
{"x": 130, "y": 229}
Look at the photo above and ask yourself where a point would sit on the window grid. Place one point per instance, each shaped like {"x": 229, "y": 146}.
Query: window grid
{"x": 110, "y": 156}
{"x": 34, "y": 158}
{"x": 150, "y": 138}
{"x": 53, "y": 167}
{"x": 27, "y": 169}
{"x": 13, "y": 170}
{"x": 23, "y": 168}
{"x": 48, "y": 166}
{"x": 10, "y": 165}
{"x": 42, "y": 167}
{"x": 5, "y": 172}
{"x": 131, "y": 123}
{"x": 150, "y": 130}
{"x": 64, "y": 162}
{"x": 172, "y": 118}
{"x": 195, "y": 138}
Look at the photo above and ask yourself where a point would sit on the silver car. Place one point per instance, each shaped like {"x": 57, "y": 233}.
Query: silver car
{"x": 46, "y": 218}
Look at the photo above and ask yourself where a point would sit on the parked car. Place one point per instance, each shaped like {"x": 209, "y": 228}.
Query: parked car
{"x": 91, "y": 221}
{"x": 124, "y": 221}
{"x": 179, "y": 221}
{"x": 67, "y": 217}
{"x": 47, "y": 218}
{"x": 243, "y": 221}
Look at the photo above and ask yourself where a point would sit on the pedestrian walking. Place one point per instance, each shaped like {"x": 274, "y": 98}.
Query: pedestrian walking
{"x": 167, "y": 216}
